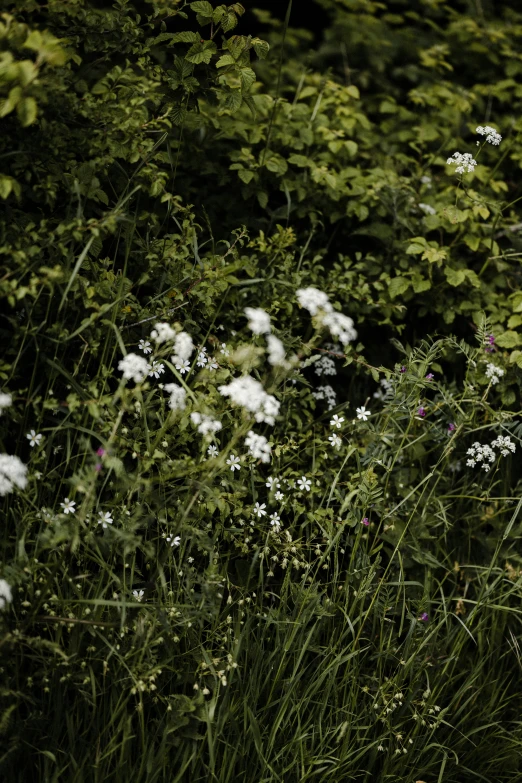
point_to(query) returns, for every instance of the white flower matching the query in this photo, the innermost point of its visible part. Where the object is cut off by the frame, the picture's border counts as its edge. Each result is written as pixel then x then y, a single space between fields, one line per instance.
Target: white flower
pixel 178 396
pixel 336 421
pixel 134 367
pixel 212 365
pixel 275 521
pixel 173 540
pixel 313 300
pixel 156 369
pixel 325 366
pixel 272 482
pixel 212 451
pixel 465 162
pixel 104 519
pixel 480 454
pixel 163 333
pixel 233 461
pixel 206 424
pixel 492 136
pixel 144 346
pixel 388 390
pixel 505 444
pixel 5 401
pixel 260 510
pixel 304 484
pixel 13 472
pixel 494 373
pixel 276 351
pixel 5 594
pixel 336 441
pixel 34 439
pixel 258 320
pixel 138 594
pixel 249 394
pixel 183 366
pixel 258 446
pixel 183 347
pixel 68 506
pixel 224 350
pixel 326 393
pixel 279 496
pixel 202 359
pixel 428 209
pixel 340 326
pixel 362 413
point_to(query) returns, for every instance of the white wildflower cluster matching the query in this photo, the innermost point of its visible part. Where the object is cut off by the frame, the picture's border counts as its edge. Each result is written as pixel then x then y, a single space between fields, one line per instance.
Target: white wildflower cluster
pixel 505 444
pixel 326 392
pixel 492 136
pixel 206 424
pixel 494 373
pixel 178 396
pixel 183 347
pixel 464 162
pixel 325 366
pixel 5 594
pixel 5 401
pixel 386 390
pixel 427 209
pixel 276 351
pixel 13 473
pixel 480 454
pixel 163 333
pixel 258 320
pixel 249 394
pixel 315 301
pixel 134 367
pixel 258 446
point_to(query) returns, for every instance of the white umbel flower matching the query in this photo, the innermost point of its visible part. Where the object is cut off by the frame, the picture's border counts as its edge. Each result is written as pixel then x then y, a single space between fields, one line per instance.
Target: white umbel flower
pixel 183 348
pixel 13 473
pixel 313 300
pixel 325 366
pixel 178 396
pixel 250 394
pixel 5 401
pixel 258 446
pixel 206 424
pixel 163 333
pixel 505 444
pixel 134 367
pixel 464 162
pixel 258 320
pixel 276 351
pixel 5 594
pixel 340 326
pixel 492 136
pixel 493 372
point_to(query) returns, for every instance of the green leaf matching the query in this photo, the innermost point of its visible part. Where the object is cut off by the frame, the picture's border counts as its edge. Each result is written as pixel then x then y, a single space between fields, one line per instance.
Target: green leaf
pixel 508 340
pixel 229 22
pixel 185 37
pixel 247 77
pixel 27 111
pixel 398 286
pixel 299 160
pixel 224 60
pixel 245 176
pixel 417 245
pixel 261 47
pixel 202 7
pixel 455 276
pixel 201 52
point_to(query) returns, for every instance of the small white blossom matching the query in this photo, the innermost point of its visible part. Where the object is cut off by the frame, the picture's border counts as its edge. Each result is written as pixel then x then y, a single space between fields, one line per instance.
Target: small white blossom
pixel 336 421
pixel 275 521
pixel 340 326
pixel 505 444
pixel 183 347
pixel 272 483
pixel 68 506
pixel 212 364
pixel 260 510
pixel 258 320
pixel 144 346
pixel 362 413
pixel 134 367
pixel 178 396
pixel 326 393
pixel 156 369
pixel 325 366
pixel 336 441
pixel 5 594
pixel 492 136
pixel 387 390
pixel 202 359
pixel 163 333
pixel 233 461
pixel 173 540
pixel 138 594
pixel 206 424
pixel 494 373
pixel 34 439
pixel 250 394
pixel 5 401
pixel 212 451
pixel 13 473
pixel 224 350
pixel 258 446
pixel 105 519
pixel 304 484
pixel 279 496
pixel 313 300
pixel 427 209
pixel 276 351
pixel 465 162
pixel 480 454
pixel 183 366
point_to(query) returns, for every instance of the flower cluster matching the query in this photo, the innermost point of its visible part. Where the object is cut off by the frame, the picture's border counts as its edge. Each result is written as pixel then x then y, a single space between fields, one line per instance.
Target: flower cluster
pixel 327 393
pixel 464 161
pixel 249 394
pixel 258 446
pixel 5 594
pixel 183 347
pixel 5 401
pixel 206 424
pixel 13 473
pixel 505 444
pixel 258 320
pixel 325 366
pixel 315 301
pixel 163 333
pixel 385 391
pixel 134 367
pixel 276 351
pixel 492 136
pixel 427 209
pixel 178 396
pixel 494 373
pixel 483 454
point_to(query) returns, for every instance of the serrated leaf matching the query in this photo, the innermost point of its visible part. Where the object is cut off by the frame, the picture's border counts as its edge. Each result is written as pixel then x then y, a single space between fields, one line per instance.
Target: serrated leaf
pixel 178 115
pixel 251 104
pixel 224 60
pixel 232 102
pixel 508 339
pixel 398 286
pixel 245 176
pixel 247 77
pixel 261 47
pixel 229 22
pixel 185 37
pixel 201 52
pixel 455 276
pixel 202 7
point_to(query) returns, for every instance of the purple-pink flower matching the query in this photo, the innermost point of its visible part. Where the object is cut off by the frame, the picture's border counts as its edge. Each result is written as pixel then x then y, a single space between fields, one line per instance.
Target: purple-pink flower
pixel 430 376
pixel 451 426
pixel 403 368
pixel 365 521
pixel 421 412
pixel 424 617
pixel 98 467
pixel 101 452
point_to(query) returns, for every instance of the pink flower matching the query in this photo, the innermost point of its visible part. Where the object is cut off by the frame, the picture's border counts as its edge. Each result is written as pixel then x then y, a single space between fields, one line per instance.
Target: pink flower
pixel 403 369
pixel 430 376
pixel 424 617
pixel 451 427
pixel 101 452
pixel 421 412
pixel 98 467
pixel 365 521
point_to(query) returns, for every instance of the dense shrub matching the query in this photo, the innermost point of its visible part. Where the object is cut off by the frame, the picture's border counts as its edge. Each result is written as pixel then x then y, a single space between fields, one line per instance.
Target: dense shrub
pixel 270 543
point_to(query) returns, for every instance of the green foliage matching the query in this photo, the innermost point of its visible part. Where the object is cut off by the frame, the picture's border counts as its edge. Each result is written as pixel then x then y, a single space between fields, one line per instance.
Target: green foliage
pixel 182 608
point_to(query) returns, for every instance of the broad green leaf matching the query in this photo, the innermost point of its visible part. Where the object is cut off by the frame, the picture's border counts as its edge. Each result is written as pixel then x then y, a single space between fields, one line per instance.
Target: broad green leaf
pixel 185 37
pixel 202 7
pixel 225 59
pixel 201 52
pixel 508 339
pixel 261 47
pixel 455 277
pixel 398 286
